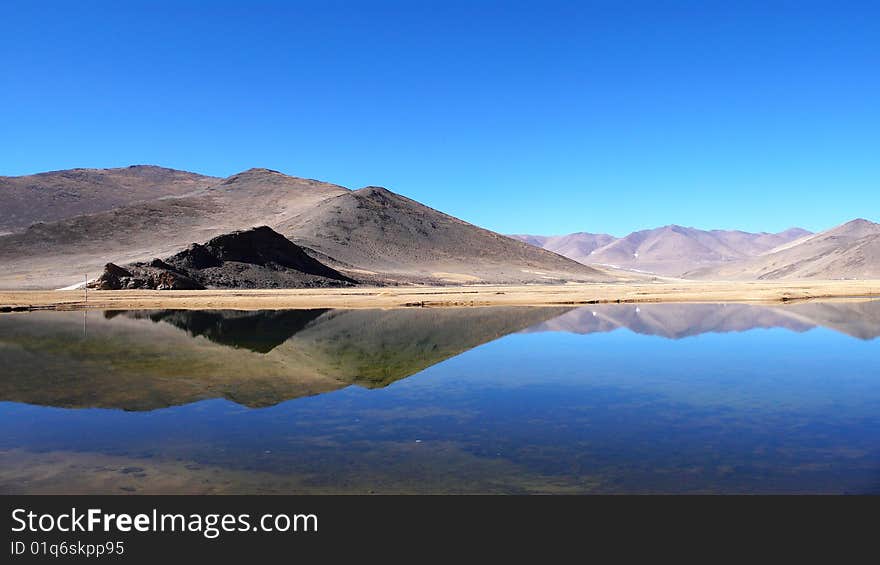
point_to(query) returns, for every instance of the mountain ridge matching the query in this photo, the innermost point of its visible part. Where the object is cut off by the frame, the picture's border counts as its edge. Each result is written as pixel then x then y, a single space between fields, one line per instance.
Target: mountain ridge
pixel 850 250
pixel 395 240
pixel 63 194
pixel 669 250
pixel 57 226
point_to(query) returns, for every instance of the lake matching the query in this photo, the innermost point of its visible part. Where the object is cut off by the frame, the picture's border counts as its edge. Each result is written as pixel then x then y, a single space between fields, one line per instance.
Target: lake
pixel 620 398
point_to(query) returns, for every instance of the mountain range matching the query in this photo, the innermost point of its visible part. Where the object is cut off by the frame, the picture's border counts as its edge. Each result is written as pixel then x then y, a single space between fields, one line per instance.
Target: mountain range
pixel 371 235
pixel 848 251
pixel 57 227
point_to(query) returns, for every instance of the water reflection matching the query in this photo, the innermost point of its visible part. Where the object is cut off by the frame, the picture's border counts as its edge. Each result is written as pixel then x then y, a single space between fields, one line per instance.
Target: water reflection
pixel 611 398
pixel 143 360
pixel 859 319
pixel 260 331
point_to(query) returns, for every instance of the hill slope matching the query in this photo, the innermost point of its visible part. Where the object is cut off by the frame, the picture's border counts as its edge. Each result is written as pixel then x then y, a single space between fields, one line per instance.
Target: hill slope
pixel 58 195
pixel 387 234
pixel 374 234
pixel 56 254
pixel 848 251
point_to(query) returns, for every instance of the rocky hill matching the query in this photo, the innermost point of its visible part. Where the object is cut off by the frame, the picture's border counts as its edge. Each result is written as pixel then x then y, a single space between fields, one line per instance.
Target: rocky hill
pixel 255 258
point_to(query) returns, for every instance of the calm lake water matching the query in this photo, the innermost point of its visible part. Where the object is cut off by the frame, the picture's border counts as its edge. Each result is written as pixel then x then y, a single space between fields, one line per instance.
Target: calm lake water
pixel 604 399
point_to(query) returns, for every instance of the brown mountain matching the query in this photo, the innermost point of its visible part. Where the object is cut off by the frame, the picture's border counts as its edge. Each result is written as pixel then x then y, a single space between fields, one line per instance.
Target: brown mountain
pixel 57 195
pixel 56 254
pixel 390 235
pixel 670 250
pixel 849 251
pixel 375 234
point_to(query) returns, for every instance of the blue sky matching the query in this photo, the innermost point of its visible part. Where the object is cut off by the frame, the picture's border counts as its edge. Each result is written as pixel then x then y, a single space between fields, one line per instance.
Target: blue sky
pixel 540 117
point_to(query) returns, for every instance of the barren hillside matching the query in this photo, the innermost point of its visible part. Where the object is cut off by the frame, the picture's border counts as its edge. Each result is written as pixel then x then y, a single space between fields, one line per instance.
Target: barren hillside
pixel 58 195
pixel 849 251
pixel 382 232
pixel 373 234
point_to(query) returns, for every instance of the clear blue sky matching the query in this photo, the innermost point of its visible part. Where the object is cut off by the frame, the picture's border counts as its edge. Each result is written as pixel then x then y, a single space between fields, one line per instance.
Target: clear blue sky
pixel 539 117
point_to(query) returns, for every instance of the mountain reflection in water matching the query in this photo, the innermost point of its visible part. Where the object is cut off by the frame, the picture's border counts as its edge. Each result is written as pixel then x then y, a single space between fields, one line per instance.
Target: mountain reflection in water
pixel 143 360
pixel 606 398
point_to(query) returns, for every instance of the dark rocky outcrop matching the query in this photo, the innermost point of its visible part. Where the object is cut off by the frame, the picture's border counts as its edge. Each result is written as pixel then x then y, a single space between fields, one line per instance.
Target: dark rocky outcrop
pixel 255 258
pixel 156 275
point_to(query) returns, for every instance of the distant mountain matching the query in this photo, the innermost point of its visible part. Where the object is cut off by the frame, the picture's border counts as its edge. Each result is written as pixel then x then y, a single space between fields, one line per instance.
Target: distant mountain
pixel 577 246
pixel 848 251
pixel 670 250
pixel 58 195
pixel 372 234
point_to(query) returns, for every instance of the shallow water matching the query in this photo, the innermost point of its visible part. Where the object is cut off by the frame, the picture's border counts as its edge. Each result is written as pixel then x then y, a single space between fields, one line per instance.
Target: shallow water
pixel 612 398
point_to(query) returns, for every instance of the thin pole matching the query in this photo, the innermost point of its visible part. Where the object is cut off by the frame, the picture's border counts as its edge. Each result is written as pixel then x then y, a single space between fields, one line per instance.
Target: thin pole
pixel 86 287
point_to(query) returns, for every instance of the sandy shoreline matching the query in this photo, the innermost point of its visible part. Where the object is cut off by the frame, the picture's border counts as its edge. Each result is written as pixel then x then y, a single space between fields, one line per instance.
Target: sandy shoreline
pixel 473 295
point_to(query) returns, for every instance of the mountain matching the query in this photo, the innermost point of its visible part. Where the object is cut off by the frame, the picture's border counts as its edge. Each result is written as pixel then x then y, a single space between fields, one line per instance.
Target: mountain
pixel 848 251
pixel 58 195
pixel 254 258
pixel 576 246
pixel 536 240
pixel 386 235
pixel 66 224
pixel 370 234
pixel 56 254
pixel 670 250
pixel 378 236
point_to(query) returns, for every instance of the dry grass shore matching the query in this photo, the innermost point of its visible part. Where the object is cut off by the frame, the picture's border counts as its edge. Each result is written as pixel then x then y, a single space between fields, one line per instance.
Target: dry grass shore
pixel 472 295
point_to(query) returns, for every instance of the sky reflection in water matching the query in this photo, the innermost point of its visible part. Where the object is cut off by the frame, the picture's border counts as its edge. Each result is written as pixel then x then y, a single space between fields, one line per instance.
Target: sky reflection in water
pixel 659 398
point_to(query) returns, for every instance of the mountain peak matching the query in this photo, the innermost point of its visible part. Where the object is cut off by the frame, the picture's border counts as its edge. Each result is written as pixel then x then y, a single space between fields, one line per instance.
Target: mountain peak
pixel 860 222
pixel 795 232
pixel 253 174
pixel 370 190
pixel 855 228
pixel 262 170
pixel 378 194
